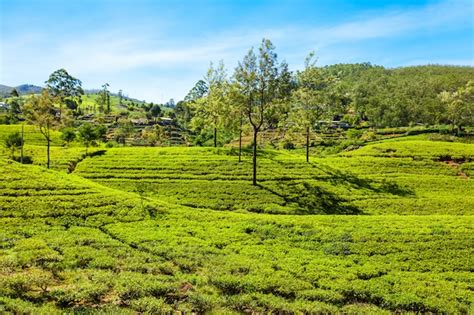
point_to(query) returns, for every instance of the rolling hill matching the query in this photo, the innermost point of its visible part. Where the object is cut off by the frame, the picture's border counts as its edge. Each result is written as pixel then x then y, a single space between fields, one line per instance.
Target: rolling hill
pixel 153 230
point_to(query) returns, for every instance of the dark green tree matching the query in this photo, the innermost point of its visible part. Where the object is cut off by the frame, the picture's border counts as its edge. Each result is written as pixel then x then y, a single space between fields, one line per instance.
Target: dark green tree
pixel 41 111
pixel 124 130
pixel 68 134
pixel 155 111
pixel 90 134
pixel 14 109
pixel 63 86
pixel 103 99
pixel 13 142
pixel 309 102
pixel 258 80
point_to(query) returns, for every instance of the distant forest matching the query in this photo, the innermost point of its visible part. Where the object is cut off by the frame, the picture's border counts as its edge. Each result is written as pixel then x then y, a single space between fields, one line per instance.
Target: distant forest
pixel 376 96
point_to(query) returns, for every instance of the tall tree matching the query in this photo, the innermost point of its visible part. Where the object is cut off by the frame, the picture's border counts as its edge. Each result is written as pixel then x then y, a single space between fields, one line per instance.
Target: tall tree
pixel 103 99
pixel 120 95
pixel 14 109
pixel 89 134
pixel 184 110
pixel 170 103
pixel 155 111
pixel 460 106
pixel 106 92
pixel 199 90
pixel 66 88
pixel 280 108
pixel 124 130
pixel 308 99
pixel 258 80
pixel 211 109
pixel 40 110
pixel 237 101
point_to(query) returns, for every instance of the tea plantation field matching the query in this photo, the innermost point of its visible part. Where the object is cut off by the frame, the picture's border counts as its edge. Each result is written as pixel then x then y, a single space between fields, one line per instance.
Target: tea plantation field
pixel 385 228
pixel 356 182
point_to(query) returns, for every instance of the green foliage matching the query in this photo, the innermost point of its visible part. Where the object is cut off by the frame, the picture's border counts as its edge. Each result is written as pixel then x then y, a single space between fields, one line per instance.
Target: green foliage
pixel 398 97
pixel 103 99
pixel 89 134
pixel 13 142
pixel 155 111
pixel 68 134
pixel 61 84
pixel 123 131
pixel 460 105
pixel 66 88
pixel 211 111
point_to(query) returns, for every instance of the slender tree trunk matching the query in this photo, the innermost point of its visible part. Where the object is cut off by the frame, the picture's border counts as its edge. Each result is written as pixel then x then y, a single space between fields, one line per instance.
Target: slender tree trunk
pixel 48 143
pixel 48 146
pixel 240 140
pixel 307 144
pixel 254 157
pixel 215 137
pixel 22 143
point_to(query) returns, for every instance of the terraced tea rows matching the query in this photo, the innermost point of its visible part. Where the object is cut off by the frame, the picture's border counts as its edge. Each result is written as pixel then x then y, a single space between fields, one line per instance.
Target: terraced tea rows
pixel 69 244
pixel 350 183
pixel 418 150
pixel 31 192
pixel 32 135
pixel 83 254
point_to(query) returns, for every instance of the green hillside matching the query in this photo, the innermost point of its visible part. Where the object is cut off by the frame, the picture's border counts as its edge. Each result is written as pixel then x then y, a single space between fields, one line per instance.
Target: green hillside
pixel 157 239
pixel 32 135
pixel 359 182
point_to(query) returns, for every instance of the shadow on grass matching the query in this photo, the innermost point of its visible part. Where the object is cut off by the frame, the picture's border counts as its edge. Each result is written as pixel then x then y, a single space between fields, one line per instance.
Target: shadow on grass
pixel 247 152
pixel 338 177
pixel 72 164
pixel 311 199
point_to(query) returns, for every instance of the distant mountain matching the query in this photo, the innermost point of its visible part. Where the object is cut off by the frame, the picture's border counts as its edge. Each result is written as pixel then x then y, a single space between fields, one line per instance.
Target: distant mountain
pixel 25 89
pixel 28 89
pixel 22 89
pixel 5 90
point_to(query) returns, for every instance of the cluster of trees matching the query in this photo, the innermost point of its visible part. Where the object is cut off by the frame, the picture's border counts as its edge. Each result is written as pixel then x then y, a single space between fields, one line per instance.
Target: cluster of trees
pixel 14 108
pixel 89 134
pixel 262 93
pixel 401 96
pixel 66 89
pixel 46 110
pixel 103 99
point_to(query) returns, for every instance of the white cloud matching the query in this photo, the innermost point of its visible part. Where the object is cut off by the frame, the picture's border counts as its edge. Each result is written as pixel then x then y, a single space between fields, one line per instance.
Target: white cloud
pixel 121 57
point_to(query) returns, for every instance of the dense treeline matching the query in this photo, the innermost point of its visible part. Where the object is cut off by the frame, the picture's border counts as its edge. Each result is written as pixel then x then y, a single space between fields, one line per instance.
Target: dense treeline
pixel 263 93
pixel 374 95
pixel 401 96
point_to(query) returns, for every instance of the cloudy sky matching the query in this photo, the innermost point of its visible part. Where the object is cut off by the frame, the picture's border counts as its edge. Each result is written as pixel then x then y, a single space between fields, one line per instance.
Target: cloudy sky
pixel 157 50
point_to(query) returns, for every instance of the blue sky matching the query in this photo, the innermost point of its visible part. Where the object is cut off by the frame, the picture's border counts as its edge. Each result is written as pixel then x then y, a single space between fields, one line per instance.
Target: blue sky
pixel 157 50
